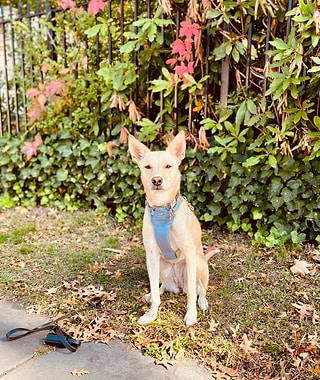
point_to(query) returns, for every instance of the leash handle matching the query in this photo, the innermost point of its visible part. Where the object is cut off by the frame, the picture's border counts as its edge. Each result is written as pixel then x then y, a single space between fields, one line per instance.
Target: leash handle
pixel 20 332
pixel 64 339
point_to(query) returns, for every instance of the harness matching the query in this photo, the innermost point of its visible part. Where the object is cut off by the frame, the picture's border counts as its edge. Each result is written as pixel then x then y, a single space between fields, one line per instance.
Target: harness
pixel 162 218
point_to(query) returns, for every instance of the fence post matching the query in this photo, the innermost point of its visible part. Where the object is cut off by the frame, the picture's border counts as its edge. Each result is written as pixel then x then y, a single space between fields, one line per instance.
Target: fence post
pixel 50 32
pixel 248 55
pixel 224 87
pixel 13 68
pixel 3 24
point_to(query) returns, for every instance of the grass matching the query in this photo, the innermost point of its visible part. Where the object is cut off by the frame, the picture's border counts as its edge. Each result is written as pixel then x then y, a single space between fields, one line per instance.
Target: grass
pixel 56 262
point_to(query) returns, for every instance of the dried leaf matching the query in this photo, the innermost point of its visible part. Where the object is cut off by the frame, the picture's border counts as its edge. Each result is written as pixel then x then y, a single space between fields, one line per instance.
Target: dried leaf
pixel 164 362
pixel 203 142
pixel 110 146
pixel 117 274
pixel 304 310
pixel 301 267
pixel 124 135
pixel 228 371
pixel 134 113
pixel 246 346
pixel 166 6
pixel 316 18
pixel 116 101
pixel 79 373
pixel 193 13
pixel 51 290
pixel 235 331
pixel 213 325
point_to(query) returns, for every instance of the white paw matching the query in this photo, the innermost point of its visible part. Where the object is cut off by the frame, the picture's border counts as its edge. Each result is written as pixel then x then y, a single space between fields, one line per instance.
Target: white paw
pixel 147 297
pixel 147 318
pixel 203 303
pixel 191 317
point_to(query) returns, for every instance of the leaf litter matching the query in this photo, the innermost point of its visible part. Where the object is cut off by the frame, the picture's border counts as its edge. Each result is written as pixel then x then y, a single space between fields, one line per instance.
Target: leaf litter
pixel 264 326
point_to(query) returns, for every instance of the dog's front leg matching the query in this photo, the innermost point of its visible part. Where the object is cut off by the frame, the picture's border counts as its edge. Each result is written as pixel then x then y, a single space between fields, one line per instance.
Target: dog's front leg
pixel 191 272
pixel 153 267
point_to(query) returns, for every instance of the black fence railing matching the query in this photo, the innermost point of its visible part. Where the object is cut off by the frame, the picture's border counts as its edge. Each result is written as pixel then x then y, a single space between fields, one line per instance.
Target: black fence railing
pixel 21 68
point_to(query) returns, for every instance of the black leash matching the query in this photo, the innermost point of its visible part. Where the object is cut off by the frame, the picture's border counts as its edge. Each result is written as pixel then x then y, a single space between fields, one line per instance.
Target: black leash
pixel 56 337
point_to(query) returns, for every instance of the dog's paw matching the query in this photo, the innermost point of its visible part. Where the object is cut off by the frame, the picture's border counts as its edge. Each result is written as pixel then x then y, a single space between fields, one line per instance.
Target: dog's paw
pixel 147 297
pixel 147 318
pixel 203 303
pixel 190 318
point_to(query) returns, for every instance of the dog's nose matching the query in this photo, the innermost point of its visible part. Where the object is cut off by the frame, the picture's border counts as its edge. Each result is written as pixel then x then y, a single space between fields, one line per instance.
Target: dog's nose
pixel 157 181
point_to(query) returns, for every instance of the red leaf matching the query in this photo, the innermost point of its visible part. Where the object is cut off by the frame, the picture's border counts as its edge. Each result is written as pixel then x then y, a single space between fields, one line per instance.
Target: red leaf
pixel 32 93
pixel 183 69
pixel 67 4
pixel 42 101
pixel 188 30
pixel 171 61
pixel 44 69
pixel 178 47
pixel 54 88
pixel 95 6
pixel 188 43
pixel 29 148
pixel 34 114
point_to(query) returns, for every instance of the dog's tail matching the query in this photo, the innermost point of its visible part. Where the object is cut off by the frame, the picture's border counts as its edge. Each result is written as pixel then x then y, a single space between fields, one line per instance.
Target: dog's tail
pixel 209 254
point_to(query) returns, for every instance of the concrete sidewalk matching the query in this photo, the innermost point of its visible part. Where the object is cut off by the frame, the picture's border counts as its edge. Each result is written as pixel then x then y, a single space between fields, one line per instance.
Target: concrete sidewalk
pixel 116 361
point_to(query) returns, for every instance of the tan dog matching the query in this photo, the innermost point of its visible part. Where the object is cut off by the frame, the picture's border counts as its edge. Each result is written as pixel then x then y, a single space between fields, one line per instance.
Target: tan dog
pixel 189 271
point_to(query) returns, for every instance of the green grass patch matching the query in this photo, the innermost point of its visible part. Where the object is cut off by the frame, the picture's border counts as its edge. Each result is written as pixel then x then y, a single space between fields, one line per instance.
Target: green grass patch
pixel 16 235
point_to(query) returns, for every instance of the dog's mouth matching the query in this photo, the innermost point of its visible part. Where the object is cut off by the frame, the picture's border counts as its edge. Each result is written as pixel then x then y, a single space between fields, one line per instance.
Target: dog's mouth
pixel 157 188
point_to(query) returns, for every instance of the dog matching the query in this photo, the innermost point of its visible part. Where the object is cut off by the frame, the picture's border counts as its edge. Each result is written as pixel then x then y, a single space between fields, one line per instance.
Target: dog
pixel 171 231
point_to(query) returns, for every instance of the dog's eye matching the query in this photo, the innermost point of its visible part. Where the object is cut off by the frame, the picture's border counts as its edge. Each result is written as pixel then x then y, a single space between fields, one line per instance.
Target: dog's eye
pixel 147 167
pixel 168 166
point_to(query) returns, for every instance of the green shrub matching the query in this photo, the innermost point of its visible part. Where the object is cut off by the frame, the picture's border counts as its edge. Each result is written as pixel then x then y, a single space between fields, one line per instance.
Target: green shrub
pixel 273 205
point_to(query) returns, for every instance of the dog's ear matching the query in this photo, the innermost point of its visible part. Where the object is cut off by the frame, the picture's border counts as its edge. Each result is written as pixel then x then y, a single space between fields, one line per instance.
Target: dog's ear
pixel 177 146
pixel 137 149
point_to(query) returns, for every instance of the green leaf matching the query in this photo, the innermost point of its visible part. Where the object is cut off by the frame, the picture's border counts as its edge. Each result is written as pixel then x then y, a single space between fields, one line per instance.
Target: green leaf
pixel 62 175
pixel 279 44
pixel 93 31
pixel 213 13
pixel 272 161
pixel 158 85
pixel 241 113
pixel 128 47
pixel 316 121
pixel 314 69
pixel 257 214
pixel 251 107
pixel 252 161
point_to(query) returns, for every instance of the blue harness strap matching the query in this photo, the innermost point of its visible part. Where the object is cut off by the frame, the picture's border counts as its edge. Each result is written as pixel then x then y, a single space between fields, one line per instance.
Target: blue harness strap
pixel 162 219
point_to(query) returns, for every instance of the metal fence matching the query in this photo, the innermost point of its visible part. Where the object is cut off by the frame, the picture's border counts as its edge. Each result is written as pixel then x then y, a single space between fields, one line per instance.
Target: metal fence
pixel 19 69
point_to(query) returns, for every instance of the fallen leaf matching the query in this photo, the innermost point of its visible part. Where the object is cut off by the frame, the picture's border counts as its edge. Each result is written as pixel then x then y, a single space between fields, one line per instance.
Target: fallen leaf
pixel 304 310
pixel 246 346
pixel 213 325
pixel 117 274
pixel 79 373
pixel 164 362
pixel 228 371
pixel 301 267
pixel 51 290
pixel 235 331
